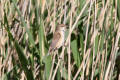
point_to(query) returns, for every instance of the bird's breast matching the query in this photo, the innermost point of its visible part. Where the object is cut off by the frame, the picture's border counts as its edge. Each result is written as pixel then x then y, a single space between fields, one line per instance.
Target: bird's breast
pixel 61 40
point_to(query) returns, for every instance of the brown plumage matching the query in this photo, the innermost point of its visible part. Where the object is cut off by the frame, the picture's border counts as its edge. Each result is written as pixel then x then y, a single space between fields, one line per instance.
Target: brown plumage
pixel 58 38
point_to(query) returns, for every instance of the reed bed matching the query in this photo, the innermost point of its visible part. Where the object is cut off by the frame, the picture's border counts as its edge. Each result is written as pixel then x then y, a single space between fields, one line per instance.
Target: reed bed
pixel 92 44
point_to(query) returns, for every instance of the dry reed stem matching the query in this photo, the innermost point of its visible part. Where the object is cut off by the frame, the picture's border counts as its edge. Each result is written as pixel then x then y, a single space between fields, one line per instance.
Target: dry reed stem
pixel 113 56
pixel 52 66
pixel 86 37
pixel 73 27
pixel 69 60
pixel 85 63
pixel 69 52
pixel 65 10
pixel 115 46
pixel 43 6
pixel 54 19
pixel 82 64
pixel 110 68
pixel 62 53
pixel 95 13
pixel 86 32
pixel 119 77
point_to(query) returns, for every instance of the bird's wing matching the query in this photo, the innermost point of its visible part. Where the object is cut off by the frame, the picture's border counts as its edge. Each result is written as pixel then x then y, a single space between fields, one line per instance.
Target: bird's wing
pixel 56 38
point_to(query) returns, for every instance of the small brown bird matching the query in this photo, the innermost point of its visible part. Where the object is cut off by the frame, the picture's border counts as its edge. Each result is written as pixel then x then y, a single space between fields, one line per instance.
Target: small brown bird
pixel 58 38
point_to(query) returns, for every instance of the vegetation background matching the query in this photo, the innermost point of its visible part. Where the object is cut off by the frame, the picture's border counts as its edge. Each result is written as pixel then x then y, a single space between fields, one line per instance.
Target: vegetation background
pixel 93 44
